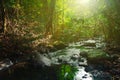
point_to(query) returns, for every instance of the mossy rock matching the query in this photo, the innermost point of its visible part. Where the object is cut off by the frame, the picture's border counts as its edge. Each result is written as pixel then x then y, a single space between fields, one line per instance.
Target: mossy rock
pixel 59 45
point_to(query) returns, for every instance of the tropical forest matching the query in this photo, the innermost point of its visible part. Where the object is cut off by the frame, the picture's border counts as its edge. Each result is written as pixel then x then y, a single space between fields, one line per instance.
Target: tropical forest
pixel 59 39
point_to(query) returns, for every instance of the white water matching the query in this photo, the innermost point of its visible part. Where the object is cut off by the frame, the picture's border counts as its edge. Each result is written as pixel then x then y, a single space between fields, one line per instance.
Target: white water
pixel 81 74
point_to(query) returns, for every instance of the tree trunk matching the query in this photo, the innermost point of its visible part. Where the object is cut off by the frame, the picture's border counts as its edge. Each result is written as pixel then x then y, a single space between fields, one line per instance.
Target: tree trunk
pixel 49 25
pixel 2 17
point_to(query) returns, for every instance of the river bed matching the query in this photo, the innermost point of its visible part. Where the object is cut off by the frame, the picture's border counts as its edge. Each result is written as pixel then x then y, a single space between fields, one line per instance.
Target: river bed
pixel 48 66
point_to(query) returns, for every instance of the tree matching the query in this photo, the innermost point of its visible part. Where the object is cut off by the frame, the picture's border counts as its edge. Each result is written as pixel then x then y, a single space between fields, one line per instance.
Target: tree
pixel 112 14
pixel 2 16
pixel 51 10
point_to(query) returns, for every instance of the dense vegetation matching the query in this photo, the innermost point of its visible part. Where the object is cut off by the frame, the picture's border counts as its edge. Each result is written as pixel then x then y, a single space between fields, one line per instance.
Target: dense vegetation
pixel 25 23
pixel 29 26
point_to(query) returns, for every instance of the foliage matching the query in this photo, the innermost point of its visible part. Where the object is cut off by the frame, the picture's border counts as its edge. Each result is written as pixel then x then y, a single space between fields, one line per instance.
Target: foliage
pixel 112 29
pixel 97 54
pixel 15 45
pixel 32 21
pixel 66 72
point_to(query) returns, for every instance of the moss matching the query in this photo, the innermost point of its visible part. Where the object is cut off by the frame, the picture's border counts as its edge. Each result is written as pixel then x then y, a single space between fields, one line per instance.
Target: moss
pixel 97 53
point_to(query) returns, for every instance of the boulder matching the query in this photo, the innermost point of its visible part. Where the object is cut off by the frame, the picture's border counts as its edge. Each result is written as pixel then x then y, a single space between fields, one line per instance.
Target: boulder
pixel 75 57
pixel 84 54
pixel 41 60
pixel 5 64
pixel 59 45
pixel 91 43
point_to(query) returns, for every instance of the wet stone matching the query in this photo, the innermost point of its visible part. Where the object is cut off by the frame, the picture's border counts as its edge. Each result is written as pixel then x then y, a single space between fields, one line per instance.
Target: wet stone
pixel 100 75
pixel 5 64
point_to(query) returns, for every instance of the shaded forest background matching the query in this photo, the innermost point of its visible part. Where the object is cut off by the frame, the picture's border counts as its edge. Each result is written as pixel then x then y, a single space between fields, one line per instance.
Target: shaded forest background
pixel 25 25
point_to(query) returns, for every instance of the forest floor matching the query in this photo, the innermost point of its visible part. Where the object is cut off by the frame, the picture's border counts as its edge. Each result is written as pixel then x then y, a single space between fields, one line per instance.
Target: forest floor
pixel 92 59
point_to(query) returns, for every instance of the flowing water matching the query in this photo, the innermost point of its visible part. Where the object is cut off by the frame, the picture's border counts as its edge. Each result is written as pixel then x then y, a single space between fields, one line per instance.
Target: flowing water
pixel 67 64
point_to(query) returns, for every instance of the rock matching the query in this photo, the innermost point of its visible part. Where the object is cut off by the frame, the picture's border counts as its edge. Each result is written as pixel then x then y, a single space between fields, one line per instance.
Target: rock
pixel 59 45
pixel 89 68
pixel 100 75
pixel 5 64
pixel 117 77
pixel 91 43
pixel 45 61
pixel 75 57
pixel 76 44
pixel 63 59
pixel 100 45
pixel 60 60
pixel 84 54
pixel 41 59
pixel 43 48
pixel 82 62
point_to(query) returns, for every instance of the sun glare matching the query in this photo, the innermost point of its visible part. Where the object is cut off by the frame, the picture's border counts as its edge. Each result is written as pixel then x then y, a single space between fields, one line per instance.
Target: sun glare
pixel 83 2
pixel 85 8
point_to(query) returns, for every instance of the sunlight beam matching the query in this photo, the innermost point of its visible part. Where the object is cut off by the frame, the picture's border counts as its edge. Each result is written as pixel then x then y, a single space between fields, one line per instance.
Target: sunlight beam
pixel 83 2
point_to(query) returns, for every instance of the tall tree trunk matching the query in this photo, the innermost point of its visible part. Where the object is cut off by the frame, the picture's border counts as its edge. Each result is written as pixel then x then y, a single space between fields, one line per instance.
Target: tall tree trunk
pixel 49 25
pixel 2 17
pixel 17 9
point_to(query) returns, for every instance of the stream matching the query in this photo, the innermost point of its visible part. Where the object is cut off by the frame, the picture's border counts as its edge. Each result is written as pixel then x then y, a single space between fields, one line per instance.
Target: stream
pixel 76 55
pixel 71 63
